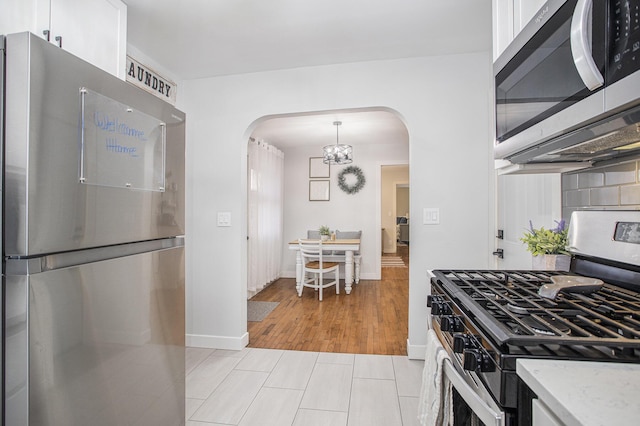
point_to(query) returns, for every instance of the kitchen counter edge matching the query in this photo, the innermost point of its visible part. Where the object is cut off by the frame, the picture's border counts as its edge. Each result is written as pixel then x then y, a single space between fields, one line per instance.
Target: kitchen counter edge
pixel 583 393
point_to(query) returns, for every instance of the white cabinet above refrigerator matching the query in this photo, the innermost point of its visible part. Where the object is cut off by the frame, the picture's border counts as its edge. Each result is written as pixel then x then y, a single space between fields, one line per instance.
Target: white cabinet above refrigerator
pixel 94 30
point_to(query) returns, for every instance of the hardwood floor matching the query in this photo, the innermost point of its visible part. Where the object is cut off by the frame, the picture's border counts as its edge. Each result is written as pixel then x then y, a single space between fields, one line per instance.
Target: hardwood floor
pixel 373 319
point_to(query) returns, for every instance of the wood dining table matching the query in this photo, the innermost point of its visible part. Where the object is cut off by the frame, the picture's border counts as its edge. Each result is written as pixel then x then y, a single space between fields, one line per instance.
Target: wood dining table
pixel 349 246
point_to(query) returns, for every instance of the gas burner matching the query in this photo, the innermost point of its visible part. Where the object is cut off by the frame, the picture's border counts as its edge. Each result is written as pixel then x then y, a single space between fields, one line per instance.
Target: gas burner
pixel 509 283
pixel 491 295
pixel 541 327
pixel 517 309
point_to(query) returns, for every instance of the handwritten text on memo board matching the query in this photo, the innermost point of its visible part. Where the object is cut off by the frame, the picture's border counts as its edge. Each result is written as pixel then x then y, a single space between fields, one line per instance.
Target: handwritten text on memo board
pixel 120 146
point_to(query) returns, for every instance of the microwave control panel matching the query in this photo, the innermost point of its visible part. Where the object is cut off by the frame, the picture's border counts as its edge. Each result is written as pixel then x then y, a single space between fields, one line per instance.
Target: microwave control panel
pixel 624 49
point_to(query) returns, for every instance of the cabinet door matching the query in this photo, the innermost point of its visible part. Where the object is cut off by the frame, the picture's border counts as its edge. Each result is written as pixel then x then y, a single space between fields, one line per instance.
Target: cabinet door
pixel 94 30
pixel 542 416
pixel 509 18
pixel 523 11
pixel 502 26
pixel 24 15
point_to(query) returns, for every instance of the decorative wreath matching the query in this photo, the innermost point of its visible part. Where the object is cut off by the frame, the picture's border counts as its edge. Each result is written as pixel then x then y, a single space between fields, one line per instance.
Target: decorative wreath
pixel 357 186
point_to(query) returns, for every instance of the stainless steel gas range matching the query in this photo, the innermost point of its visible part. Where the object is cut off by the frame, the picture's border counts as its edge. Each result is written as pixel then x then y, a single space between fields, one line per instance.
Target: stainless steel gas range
pixel 486 320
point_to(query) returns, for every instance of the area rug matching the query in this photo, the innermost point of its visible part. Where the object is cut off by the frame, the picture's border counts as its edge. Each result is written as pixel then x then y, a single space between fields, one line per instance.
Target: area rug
pixel 392 262
pixel 257 311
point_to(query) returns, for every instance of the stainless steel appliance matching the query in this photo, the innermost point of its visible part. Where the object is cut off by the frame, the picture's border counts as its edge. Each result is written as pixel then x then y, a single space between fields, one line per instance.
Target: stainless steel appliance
pixel 568 86
pixel 486 320
pixel 93 257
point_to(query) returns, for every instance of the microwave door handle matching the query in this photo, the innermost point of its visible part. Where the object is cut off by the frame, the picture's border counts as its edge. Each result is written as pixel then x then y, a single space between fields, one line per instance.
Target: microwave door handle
pixel 581 46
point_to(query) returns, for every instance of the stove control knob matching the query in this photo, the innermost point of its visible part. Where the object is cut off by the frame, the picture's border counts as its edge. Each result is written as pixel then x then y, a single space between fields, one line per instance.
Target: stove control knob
pixel 451 323
pixel 436 308
pixel 440 308
pixel 431 299
pixel 477 360
pixel 461 342
pixel 472 359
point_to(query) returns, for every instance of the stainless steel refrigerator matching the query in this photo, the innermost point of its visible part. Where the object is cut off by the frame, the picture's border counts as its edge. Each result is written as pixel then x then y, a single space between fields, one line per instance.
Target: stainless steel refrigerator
pixel 93 253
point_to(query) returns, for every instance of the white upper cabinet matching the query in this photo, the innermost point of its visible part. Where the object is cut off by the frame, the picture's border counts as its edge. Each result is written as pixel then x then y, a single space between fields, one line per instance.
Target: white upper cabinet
pixel 509 18
pixel 523 11
pixel 502 25
pixel 22 15
pixel 94 30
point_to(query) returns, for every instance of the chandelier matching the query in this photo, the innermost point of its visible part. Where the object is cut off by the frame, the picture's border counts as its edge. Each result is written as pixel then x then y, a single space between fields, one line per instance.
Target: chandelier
pixel 337 154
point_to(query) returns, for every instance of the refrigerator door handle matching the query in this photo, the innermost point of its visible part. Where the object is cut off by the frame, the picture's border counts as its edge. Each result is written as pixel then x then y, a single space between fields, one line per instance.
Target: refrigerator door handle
pixel 50 262
pixel 83 92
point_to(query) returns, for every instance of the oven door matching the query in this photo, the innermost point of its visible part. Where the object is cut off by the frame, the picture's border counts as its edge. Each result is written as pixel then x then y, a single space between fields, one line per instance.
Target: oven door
pixel 473 400
pixel 549 79
pixel 471 405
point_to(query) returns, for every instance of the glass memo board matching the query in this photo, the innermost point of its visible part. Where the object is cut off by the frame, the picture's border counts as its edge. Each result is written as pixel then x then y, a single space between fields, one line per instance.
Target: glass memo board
pixel 119 146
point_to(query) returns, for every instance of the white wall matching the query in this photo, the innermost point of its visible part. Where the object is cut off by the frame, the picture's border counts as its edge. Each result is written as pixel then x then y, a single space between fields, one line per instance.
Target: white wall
pixel 445 102
pixel 343 211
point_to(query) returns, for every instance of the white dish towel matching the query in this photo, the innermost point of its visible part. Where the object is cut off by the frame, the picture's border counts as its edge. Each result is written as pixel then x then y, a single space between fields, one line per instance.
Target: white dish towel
pixel 436 407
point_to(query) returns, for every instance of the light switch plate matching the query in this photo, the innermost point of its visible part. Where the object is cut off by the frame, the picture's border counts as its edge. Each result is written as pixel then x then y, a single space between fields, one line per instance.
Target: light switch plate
pixel 431 216
pixel 224 218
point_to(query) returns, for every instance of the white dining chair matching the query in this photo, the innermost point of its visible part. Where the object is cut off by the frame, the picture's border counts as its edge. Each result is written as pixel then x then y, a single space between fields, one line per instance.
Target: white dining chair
pixel 314 268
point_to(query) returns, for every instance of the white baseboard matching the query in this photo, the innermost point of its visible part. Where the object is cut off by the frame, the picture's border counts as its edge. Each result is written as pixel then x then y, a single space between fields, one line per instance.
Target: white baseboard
pixel 416 351
pixel 218 342
pixel 239 343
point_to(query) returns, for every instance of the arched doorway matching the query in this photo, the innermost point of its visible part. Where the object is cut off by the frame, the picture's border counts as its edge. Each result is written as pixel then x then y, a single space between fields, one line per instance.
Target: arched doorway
pixel 378 136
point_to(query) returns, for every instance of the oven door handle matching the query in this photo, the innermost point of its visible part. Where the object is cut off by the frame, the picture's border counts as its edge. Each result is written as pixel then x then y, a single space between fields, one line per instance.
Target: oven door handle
pixel 488 415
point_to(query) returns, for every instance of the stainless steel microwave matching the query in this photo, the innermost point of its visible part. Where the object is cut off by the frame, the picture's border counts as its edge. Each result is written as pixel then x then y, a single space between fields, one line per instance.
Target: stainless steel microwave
pixel 567 89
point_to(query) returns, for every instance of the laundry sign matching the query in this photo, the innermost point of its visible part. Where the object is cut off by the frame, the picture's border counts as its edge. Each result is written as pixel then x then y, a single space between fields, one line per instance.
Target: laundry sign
pixel 149 80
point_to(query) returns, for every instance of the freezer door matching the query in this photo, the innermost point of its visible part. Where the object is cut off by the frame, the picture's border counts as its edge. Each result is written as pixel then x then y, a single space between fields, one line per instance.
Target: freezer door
pixel 50 206
pixel 100 343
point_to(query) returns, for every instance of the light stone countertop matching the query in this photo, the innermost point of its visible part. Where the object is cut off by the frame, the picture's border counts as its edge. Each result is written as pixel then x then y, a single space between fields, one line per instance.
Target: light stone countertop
pixel 582 393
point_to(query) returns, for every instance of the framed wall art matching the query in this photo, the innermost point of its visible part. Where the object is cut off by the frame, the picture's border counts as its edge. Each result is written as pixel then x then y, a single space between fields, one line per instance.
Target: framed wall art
pixel 319 190
pixel 317 169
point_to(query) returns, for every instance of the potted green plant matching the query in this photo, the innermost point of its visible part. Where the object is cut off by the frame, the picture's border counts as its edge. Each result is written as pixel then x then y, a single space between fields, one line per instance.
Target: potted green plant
pixel 548 247
pixel 325 232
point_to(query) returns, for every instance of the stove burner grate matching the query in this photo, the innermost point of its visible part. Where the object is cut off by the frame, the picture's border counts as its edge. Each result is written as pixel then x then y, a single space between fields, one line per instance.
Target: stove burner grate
pixel 507 307
pixel 546 326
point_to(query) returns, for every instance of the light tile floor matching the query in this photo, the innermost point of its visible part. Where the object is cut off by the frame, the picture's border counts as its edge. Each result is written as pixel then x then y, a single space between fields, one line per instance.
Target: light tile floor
pixel 289 388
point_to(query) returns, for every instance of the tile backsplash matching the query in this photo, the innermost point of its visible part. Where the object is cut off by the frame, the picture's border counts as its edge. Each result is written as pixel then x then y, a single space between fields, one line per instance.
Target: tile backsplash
pixel 613 187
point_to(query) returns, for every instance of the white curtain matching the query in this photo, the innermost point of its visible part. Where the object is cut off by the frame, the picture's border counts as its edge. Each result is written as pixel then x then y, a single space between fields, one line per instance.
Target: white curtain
pixel 265 215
